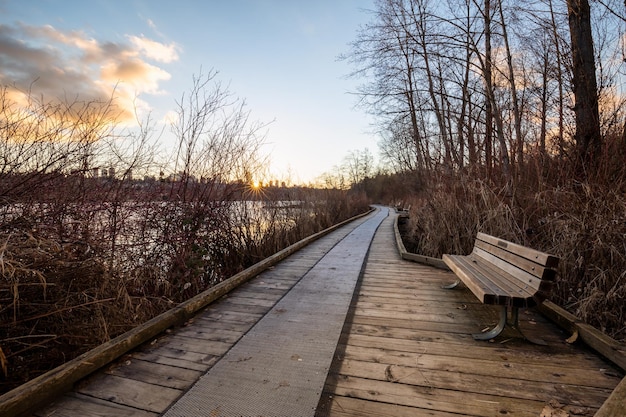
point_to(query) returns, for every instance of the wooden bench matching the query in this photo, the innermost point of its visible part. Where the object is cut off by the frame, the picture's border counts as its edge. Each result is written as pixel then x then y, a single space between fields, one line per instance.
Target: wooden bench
pixel 506 274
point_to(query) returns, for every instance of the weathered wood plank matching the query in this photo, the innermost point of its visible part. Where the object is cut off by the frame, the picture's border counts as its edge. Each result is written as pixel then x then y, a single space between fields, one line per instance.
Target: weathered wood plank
pixel 130 392
pixel 615 405
pixel 73 405
pixel 456 318
pixel 207 347
pixel 350 407
pixel 483 384
pixel 259 292
pixel 537 256
pixel 174 361
pixel 413 324
pixel 603 344
pixel 505 258
pixel 155 373
pixel 429 398
pixel 567 356
pixel 231 316
pixel 595 378
pixel 219 324
pixel 243 307
pixel 207 333
pixel 249 302
pixel 415 309
pixel 177 353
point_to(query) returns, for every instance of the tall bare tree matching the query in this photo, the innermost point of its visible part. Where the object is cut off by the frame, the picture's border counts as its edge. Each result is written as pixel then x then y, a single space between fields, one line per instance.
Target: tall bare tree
pixel 588 138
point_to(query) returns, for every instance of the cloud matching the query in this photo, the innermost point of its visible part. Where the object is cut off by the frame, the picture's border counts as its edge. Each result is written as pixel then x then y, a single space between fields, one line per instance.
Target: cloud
pixel 155 50
pixel 64 65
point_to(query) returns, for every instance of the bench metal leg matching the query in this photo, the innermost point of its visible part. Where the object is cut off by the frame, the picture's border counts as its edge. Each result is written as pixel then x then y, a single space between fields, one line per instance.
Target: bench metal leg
pixel 450 286
pixel 515 319
pixel 496 330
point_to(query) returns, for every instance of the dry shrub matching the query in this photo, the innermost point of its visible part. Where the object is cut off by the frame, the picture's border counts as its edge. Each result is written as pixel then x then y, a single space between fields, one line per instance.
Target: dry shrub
pixel 446 221
pixel 47 292
pixel 582 223
pixel 62 294
pixel 586 226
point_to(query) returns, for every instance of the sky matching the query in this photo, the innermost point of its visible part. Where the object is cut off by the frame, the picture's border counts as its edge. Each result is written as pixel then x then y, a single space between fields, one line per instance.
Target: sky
pixel 280 56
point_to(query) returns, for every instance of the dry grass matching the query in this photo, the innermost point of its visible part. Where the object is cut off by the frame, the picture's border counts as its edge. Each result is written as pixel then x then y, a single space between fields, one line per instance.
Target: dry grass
pixel 62 294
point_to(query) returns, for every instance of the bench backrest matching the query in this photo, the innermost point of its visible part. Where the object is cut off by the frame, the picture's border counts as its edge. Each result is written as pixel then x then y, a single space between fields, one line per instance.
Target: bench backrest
pixel 534 268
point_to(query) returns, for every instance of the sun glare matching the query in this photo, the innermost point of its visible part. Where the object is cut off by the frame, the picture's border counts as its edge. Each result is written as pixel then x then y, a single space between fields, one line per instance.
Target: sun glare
pixel 256 185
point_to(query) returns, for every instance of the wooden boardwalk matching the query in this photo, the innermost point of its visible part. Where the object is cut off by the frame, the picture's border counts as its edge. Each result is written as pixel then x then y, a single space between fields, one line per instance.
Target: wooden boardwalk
pixel 405 350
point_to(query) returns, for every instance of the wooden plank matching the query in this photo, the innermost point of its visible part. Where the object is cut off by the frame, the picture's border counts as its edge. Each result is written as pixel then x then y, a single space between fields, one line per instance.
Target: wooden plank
pixel 244 308
pixel 484 290
pixel 601 343
pixel 518 276
pixel 418 326
pixel 433 398
pixel 435 295
pixel 595 378
pixel 230 316
pixel 249 301
pixel 350 407
pixel 174 361
pixel 129 392
pixel 538 270
pixel 500 279
pixel 539 257
pixel 265 293
pixel 207 347
pixel 441 303
pixel 155 373
pixel 519 353
pixel 615 405
pixel 418 329
pixel 523 285
pixel 417 312
pixel 485 385
pixel 175 353
pixel 207 333
pixel 73 405
pixel 451 317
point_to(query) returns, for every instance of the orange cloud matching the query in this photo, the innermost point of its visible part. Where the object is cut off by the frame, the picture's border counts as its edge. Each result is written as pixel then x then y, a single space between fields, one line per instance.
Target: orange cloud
pixel 61 65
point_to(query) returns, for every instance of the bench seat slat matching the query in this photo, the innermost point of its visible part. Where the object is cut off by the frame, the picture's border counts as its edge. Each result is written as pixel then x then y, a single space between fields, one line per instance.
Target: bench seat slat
pixel 475 279
pixel 525 279
pixel 549 261
pixel 523 293
pixel 492 285
pixel 504 280
pixel 538 270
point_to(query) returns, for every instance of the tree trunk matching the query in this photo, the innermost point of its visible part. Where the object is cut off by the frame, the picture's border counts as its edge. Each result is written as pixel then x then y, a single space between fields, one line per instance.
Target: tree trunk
pixel 488 77
pixel 516 108
pixel 588 140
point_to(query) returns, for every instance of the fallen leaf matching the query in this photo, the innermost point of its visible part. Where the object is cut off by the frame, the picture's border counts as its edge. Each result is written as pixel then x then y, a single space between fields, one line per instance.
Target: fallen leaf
pixel 554 409
pixel 573 337
pixel 4 364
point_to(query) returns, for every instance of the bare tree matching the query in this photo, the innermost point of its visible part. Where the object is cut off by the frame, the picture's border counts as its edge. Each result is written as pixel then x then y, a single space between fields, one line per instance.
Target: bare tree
pixel 588 138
